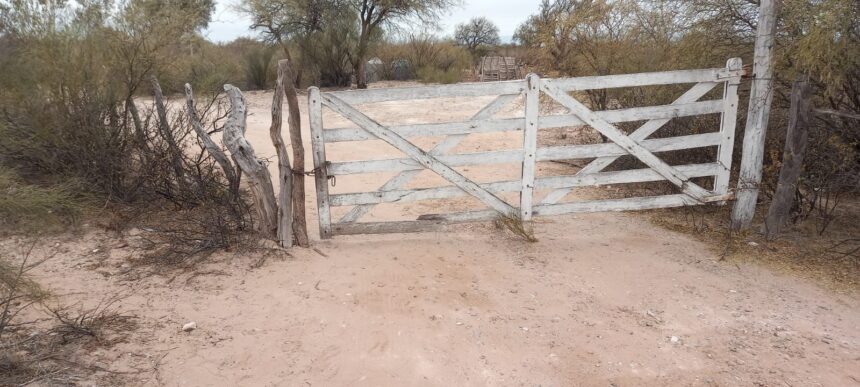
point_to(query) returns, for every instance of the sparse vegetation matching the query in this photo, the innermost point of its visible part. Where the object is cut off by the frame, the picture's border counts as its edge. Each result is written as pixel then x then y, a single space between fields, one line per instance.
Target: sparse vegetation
pixel 31 207
pixel 46 347
pixel 515 224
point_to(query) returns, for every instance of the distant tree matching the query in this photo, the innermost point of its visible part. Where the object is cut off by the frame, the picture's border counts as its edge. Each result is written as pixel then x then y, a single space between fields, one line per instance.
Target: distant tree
pixel 285 21
pixel 374 14
pixel 477 34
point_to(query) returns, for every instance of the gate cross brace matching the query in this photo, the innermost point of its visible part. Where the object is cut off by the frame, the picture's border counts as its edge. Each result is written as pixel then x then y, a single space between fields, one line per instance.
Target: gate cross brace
pixel 648 128
pixel 630 145
pixel 416 153
pixel 450 142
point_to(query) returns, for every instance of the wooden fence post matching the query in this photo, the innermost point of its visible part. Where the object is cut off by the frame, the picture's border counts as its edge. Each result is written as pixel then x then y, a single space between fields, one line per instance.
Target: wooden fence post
pixel 320 172
pixel 792 157
pixel 285 170
pixel 530 145
pixel 757 118
pixel 300 228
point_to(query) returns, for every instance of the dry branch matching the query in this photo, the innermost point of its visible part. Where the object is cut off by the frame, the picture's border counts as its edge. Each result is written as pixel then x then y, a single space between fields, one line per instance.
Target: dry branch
pixel 210 145
pixel 164 128
pixel 259 180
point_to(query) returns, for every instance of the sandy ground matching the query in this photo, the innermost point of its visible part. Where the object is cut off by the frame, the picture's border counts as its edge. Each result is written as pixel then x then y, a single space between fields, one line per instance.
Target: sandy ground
pixel 601 299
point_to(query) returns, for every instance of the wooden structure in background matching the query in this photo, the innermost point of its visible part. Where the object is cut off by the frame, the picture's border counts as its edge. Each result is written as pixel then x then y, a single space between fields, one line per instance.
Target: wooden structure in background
pixel 499 68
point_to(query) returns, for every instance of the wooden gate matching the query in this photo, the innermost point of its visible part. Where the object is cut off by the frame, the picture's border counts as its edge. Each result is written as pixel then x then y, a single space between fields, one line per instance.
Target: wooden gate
pixel 438 160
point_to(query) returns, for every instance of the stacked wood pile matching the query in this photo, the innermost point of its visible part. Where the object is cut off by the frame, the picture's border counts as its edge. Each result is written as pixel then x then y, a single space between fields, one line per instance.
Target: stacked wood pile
pixel 499 68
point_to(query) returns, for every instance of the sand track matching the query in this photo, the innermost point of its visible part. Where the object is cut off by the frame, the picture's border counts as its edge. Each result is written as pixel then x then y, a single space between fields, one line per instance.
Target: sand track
pixel 597 301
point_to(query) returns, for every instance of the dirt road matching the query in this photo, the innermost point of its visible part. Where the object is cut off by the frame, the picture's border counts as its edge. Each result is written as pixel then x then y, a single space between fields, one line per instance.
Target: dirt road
pixel 601 299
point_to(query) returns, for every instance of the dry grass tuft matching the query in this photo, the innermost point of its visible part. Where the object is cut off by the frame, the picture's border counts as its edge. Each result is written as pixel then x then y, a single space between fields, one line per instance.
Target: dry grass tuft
pixel 46 350
pixel 102 323
pixel 515 224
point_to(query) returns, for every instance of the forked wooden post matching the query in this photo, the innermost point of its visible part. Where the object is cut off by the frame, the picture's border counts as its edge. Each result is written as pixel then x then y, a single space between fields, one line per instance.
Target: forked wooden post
pixel 320 173
pixel 285 170
pixel 530 145
pixel 761 96
pixel 728 122
pixel 300 229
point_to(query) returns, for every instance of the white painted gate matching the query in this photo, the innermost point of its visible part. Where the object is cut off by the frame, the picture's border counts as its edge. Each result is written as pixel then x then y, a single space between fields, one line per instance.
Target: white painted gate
pixel 442 163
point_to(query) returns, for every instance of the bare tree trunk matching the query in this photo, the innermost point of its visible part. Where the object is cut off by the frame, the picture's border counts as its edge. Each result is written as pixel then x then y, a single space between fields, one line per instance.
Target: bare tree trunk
pixel 211 147
pixel 259 180
pixel 792 158
pixel 164 127
pixel 285 171
pixel 360 79
pixel 360 76
pixel 300 228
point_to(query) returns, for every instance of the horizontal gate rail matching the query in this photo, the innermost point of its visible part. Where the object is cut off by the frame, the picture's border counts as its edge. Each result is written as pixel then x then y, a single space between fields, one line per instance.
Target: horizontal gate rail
pixel 552 182
pixel 355 97
pixel 566 152
pixel 441 161
pixel 546 122
pixel 647 79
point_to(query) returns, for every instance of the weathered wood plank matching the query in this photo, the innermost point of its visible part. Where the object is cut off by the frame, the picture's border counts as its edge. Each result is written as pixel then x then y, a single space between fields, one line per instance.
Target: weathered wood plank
pixel 416 153
pixel 530 146
pixel 320 169
pixel 626 204
pixel 569 152
pixel 645 79
pixel 630 204
pixel 388 227
pixel 728 121
pixel 443 147
pixel 761 96
pixel 549 182
pixel 356 97
pixel 647 129
pixel 631 146
pixel 545 122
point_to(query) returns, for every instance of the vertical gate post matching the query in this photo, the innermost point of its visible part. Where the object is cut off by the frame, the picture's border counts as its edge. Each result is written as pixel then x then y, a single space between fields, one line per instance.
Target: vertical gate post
pixel 320 173
pixel 530 145
pixel 761 96
pixel 728 122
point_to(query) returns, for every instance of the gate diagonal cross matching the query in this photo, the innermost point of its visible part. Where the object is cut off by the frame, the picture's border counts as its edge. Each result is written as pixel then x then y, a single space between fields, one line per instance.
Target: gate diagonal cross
pixel 450 142
pixel 642 133
pixel 416 153
pixel 633 147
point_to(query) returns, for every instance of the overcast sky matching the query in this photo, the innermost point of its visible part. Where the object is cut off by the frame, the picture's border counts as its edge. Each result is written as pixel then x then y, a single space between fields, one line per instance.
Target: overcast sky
pixel 227 25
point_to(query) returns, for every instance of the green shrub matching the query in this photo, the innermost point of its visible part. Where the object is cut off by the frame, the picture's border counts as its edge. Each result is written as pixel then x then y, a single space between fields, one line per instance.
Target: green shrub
pixel 430 74
pixel 27 207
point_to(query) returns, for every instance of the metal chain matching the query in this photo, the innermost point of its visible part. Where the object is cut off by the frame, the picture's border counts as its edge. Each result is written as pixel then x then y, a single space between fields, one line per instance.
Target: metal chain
pixel 316 171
